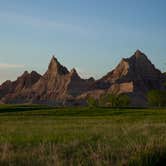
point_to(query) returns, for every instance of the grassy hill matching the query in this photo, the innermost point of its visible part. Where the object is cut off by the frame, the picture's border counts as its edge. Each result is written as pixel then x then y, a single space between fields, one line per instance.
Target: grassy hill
pixel 40 135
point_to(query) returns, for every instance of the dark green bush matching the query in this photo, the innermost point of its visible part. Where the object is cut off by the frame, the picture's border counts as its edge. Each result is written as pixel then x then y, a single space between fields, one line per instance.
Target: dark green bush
pixel 157 98
pixel 114 100
pixel 92 102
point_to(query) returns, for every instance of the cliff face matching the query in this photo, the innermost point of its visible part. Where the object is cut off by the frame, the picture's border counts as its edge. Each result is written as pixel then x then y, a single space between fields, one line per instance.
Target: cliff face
pixel 133 76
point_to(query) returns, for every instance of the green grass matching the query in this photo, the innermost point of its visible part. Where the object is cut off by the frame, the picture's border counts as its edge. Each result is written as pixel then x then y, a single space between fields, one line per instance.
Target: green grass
pixel 40 135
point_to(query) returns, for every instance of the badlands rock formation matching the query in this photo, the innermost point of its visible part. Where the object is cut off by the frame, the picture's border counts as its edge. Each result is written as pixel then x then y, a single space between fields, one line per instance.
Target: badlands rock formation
pixel 19 91
pixel 133 76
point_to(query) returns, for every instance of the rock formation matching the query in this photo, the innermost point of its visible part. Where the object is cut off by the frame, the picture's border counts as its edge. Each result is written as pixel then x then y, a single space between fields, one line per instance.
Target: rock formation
pixel 18 91
pixel 137 69
pixel 134 76
pixel 58 85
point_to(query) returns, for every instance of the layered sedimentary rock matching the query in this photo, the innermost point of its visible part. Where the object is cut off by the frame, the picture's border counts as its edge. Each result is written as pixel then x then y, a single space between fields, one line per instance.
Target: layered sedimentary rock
pixel 58 85
pixel 137 69
pixel 19 91
pixel 133 76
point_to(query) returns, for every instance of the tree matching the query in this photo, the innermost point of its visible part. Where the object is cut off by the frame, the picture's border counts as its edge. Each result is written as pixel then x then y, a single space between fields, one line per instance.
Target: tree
pixel 164 79
pixel 92 102
pixel 157 98
pixel 112 100
pixel 115 100
pixel 123 100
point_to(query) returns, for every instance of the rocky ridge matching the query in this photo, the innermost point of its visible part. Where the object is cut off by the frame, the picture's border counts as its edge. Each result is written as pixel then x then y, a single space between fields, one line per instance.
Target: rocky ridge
pixel 133 76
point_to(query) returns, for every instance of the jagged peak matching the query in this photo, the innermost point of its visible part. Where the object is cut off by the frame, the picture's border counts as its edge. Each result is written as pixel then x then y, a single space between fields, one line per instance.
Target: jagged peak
pixel 54 59
pixel 6 82
pixel 28 75
pixel 33 72
pixel 91 79
pixel 123 60
pixel 56 68
pixel 73 71
pixel 25 73
pixel 139 54
pixel 138 51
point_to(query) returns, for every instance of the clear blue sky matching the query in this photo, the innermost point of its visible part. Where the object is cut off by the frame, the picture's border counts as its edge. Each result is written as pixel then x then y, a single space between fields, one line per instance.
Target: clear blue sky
pixel 91 35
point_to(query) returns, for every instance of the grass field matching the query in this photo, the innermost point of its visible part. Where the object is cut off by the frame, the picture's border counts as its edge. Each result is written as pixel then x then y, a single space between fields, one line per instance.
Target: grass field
pixel 45 136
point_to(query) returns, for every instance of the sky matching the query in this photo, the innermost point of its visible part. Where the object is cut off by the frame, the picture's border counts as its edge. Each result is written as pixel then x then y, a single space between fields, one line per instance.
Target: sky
pixel 89 35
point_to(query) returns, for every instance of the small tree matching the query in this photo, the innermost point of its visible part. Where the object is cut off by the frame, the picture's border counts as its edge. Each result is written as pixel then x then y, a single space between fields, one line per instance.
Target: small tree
pixel 115 100
pixel 92 102
pixel 164 79
pixel 164 84
pixel 123 100
pixel 112 100
pixel 156 98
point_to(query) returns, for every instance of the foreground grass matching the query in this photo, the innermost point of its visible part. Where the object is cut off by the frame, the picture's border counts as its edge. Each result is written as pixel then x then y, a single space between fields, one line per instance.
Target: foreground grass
pixel 39 135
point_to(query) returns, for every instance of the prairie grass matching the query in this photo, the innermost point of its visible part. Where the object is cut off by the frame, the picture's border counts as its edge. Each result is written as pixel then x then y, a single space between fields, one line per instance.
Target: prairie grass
pixel 39 135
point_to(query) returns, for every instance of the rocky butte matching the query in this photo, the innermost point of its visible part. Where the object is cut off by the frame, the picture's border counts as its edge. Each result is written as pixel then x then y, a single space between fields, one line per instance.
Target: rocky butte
pixel 133 76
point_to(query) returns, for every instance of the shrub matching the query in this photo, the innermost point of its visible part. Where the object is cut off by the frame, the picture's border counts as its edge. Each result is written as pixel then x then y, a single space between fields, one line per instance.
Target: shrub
pixel 157 98
pixel 92 102
pixel 115 100
pixel 124 100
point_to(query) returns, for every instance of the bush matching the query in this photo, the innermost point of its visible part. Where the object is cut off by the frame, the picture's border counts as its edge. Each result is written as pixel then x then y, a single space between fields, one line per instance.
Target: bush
pixel 92 102
pixel 165 84
pixel 156 98
pixel 124 100
pixel 115 100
